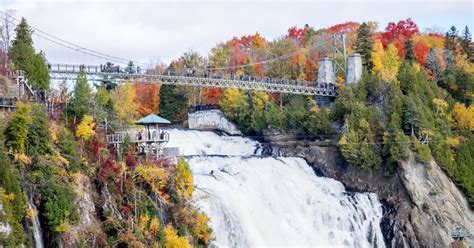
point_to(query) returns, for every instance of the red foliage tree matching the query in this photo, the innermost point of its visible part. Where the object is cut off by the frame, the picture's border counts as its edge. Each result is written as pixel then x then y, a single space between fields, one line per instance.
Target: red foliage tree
pixel 297 34
pixel 274 97
pixel 404 28
pixel 421 50
pixel 147 97
pixel 344 27
pixel 212 95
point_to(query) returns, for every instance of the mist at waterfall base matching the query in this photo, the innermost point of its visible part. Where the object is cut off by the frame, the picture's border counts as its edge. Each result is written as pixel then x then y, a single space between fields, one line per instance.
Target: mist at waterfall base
pixel 256 201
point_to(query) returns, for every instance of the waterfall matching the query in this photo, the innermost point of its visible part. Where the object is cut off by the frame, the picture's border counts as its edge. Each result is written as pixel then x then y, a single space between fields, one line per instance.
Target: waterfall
pixel 36 224
pixel 254 200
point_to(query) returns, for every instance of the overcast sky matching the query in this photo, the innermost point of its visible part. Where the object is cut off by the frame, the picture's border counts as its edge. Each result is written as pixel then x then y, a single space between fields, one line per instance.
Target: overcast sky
pixel 162 30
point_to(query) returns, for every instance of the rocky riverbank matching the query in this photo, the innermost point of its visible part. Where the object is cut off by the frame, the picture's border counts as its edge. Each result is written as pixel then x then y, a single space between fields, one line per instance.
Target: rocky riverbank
pixel 422 205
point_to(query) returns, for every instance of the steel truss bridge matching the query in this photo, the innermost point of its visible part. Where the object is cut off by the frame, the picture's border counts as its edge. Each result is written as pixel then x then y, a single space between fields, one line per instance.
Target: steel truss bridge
pixel 94 73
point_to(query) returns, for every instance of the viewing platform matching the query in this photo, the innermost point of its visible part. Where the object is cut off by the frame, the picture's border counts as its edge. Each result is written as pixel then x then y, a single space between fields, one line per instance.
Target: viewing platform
pixel 149 140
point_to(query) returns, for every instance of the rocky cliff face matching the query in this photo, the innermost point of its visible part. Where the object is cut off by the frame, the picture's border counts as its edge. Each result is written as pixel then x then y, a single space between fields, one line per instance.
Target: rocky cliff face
pixel 422 205
pixel 212 119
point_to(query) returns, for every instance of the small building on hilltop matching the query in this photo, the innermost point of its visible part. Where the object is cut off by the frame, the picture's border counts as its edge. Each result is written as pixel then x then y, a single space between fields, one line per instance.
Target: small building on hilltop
pixel 149 139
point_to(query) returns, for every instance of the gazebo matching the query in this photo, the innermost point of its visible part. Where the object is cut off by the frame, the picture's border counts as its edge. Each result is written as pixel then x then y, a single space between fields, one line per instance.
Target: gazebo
pixel 151 123
pixel 151 140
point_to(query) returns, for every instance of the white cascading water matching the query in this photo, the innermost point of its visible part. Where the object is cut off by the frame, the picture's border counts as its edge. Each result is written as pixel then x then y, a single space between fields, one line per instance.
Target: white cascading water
pixel 36 225
pixel 273 201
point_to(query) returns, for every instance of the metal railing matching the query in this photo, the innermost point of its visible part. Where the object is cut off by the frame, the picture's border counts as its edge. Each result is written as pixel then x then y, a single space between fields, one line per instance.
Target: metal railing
pixel 277 85
pixel 138 137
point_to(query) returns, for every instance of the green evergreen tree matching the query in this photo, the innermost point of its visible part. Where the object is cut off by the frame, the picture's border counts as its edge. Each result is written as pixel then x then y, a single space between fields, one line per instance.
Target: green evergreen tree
pixel 364 43
pixel 172 103
pixel 451 39
pixel 23 55
pixel 13 211
pixel 272 115
pixel 409 56
pixel 466 41
pixel 81 102
pixel 39 138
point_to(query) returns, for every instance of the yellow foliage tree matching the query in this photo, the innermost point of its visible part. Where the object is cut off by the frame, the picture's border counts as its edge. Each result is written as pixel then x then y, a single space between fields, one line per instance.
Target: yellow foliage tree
pixel 377 57
pixel 391 63
pixel 172 240
pixel 463 63
pixel 462 117
pixel 85 129
pixel 385 63
pixel 183 179
pixel 441 105
pixel 154 227
pixel 259 99
pixel 201 228
pixel 154 176
pixel 229 100
pixel 125 105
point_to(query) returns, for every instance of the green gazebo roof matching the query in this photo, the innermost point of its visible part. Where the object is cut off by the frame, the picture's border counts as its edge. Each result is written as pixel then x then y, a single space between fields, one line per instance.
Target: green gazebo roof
pixel 152 119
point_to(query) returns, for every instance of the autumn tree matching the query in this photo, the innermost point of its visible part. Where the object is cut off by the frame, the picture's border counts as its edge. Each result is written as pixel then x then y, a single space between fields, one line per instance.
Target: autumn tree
pixel 401 30
pixel 125 105
pixel 16 132
pixel 147 96
pixel 421 50
pixel 85 129
pixel 385 63
pixel 212 95
pixel 463 117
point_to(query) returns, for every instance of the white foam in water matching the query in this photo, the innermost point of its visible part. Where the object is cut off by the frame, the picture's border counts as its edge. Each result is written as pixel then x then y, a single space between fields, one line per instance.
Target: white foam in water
pixel 262 201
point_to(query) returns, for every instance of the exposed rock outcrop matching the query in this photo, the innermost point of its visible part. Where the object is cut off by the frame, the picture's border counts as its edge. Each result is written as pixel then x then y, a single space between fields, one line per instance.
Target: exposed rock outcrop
pixel 88 228
pixel 212 119
pixel 5 228
pixel 422 205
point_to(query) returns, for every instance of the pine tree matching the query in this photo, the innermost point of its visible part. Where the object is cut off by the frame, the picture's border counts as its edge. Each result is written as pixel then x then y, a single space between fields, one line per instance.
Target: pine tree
pixel 364 43
pixel 172 103
pixel 409 55
pixel 451 39
pixel 39 138
pixel 81 102
pixel 23 55
pixel 466 41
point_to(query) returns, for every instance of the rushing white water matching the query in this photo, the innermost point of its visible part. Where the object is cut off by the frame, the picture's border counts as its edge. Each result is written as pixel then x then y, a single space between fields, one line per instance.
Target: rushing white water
pixel 36 225
pixel 256 201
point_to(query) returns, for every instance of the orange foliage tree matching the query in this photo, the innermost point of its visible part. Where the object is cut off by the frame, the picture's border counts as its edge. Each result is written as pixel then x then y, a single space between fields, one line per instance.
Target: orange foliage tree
pixel 421 50
pixel 147 97
pixel 212 95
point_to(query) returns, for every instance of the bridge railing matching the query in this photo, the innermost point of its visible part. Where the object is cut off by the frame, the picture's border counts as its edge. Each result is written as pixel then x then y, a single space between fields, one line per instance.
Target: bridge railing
pixel 207 79
pixel 73 68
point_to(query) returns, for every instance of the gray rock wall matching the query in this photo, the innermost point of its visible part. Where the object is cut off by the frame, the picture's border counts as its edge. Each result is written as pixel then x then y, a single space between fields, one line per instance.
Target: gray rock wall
pixel 212 119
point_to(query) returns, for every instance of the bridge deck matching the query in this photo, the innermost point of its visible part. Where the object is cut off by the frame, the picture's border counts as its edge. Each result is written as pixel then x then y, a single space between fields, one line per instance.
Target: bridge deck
pixel 69 72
